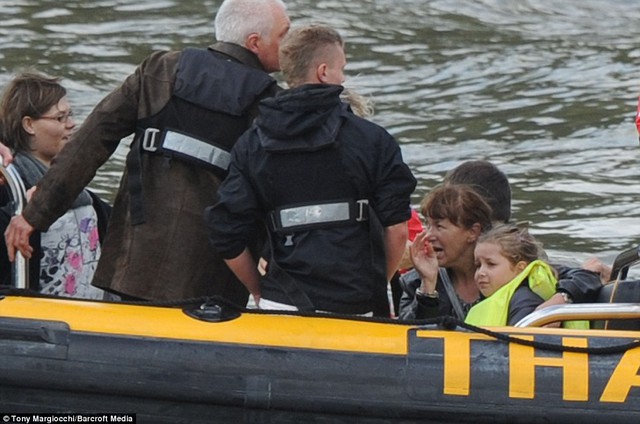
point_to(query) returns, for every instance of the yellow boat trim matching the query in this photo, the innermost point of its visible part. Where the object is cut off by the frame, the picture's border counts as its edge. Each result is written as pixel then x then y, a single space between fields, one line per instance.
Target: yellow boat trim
pixel 249 329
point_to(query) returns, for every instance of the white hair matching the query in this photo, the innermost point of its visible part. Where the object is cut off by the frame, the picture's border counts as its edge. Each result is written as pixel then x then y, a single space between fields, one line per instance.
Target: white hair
pixel 237 19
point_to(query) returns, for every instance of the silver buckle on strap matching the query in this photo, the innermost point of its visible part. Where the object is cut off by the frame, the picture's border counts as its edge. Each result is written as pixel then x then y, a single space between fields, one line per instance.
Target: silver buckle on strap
pixel 362 205
pixel 149 139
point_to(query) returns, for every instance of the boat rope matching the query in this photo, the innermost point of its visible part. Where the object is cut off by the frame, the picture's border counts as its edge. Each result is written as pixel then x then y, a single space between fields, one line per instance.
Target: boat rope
pixel 603 350
pixel 446 322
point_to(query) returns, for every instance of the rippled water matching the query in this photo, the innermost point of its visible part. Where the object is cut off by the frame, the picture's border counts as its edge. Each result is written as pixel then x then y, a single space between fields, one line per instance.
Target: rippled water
pixel 545 89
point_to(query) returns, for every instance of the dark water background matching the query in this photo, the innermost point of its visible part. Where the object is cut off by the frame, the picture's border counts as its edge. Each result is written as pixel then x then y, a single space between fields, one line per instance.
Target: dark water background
pixel 545 89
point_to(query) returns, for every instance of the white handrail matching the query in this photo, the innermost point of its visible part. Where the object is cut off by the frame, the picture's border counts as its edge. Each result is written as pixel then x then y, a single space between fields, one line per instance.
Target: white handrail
pixel 581 311
pixel 20 267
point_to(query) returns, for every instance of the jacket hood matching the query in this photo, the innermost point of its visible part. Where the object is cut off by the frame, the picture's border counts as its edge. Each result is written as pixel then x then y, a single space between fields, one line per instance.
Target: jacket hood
pixel 303 118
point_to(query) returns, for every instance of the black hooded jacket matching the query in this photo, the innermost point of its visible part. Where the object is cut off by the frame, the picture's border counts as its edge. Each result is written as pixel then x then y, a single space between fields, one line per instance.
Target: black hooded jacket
pixel 307 148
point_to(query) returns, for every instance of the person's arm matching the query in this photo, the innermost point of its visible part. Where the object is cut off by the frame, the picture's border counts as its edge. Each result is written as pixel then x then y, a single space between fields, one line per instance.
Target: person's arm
pixel 412 306
pixel 395 241
pixel 574 285
pixel 114 118
pixel 577 285
pixel 244 266
pixel 142 94
pixel 234 220
pixel 596 265
pixel 522 303
pixel 7 158
pixel 582 285
pixel 408 305
pixel 391 192
pixel 6 155
pixel 5 265
pixel 16 237
pixel 414 227
pixel 425 300
pixel 420 307
pixel 425 263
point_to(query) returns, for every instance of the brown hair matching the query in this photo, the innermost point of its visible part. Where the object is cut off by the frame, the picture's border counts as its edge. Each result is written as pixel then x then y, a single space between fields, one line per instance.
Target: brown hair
pixel 302 48
pixel 489 181
pixel 28 94
pixel 516 244
pixel 458 203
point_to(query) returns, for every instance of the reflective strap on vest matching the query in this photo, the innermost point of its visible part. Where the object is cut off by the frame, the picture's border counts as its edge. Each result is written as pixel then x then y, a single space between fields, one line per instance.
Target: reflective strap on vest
pixel 185 146
pixel 307 216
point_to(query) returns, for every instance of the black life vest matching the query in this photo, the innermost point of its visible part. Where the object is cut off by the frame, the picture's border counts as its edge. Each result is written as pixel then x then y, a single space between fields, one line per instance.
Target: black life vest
pixel 213 103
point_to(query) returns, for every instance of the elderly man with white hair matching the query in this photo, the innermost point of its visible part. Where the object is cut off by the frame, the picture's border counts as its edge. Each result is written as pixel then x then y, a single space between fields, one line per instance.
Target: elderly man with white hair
pixel 186 110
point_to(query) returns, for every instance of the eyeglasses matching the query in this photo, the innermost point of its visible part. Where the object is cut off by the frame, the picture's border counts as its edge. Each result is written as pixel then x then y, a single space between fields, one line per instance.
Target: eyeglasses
pixel 63 118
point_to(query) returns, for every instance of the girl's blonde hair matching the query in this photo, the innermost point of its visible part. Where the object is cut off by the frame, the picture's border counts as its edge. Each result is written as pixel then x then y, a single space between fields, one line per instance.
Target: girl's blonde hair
pixel 515 243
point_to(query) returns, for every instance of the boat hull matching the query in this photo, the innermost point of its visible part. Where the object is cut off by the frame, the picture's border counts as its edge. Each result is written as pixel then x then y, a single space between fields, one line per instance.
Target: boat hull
pixel 165 366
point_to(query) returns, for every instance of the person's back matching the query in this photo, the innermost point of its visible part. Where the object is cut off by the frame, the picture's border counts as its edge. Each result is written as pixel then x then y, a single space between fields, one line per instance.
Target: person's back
pixel 37 122
pixel 334 265
pixel 321 178
pixel 186 109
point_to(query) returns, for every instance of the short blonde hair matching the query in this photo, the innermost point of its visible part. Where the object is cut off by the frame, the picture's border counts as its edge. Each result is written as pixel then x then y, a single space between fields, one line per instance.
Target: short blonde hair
pixel 300 49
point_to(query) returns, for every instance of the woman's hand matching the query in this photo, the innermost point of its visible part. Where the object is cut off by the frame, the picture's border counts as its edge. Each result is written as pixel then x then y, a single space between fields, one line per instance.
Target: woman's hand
pixel 596 265
pixel 5 154
pixel 7 158
pixel 425 262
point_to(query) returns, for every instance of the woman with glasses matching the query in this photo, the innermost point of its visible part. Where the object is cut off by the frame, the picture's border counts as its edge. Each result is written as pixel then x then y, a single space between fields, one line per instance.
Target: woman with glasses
pixel 36 122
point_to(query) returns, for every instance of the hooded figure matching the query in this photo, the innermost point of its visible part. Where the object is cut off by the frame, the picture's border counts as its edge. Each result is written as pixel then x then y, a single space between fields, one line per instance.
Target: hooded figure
pixel 330 187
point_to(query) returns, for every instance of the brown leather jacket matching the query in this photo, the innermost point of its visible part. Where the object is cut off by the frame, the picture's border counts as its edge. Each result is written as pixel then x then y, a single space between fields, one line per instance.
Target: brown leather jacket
pixel 169 256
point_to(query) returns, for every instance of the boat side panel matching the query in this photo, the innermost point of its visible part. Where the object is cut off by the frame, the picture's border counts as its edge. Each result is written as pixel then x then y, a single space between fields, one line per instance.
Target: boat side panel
pixel 179 374
pixel 464 367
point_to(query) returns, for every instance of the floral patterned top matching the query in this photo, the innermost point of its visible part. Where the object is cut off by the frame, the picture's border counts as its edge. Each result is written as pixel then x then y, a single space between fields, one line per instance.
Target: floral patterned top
pixel 70 252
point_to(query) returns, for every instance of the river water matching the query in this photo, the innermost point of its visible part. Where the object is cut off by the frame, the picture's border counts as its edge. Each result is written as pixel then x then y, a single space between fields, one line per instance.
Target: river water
pixel 544 89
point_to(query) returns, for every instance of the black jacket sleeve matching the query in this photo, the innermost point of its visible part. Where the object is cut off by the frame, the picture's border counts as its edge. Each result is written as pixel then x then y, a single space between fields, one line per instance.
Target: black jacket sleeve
pixel 581 284
pixel 103 212
pixel 523 302
pixel 424 308
pixel 408 303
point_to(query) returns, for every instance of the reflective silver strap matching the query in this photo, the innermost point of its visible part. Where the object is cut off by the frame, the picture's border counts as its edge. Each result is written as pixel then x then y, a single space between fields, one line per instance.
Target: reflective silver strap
pixel 192 147
pixel 314 214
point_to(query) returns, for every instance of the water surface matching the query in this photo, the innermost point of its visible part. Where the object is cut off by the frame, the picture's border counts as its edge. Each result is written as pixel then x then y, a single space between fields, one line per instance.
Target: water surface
pixel 544 89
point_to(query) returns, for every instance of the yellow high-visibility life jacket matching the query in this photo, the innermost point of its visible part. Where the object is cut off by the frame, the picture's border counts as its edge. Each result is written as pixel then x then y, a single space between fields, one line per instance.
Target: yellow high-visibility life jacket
pixel 494 310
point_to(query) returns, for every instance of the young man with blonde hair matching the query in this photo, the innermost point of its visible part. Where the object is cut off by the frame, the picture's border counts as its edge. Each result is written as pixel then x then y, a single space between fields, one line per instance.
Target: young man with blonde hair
pixel 331 187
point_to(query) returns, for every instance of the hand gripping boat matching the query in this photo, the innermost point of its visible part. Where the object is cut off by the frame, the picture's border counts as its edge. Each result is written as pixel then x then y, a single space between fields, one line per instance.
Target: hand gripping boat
pixel 203 361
